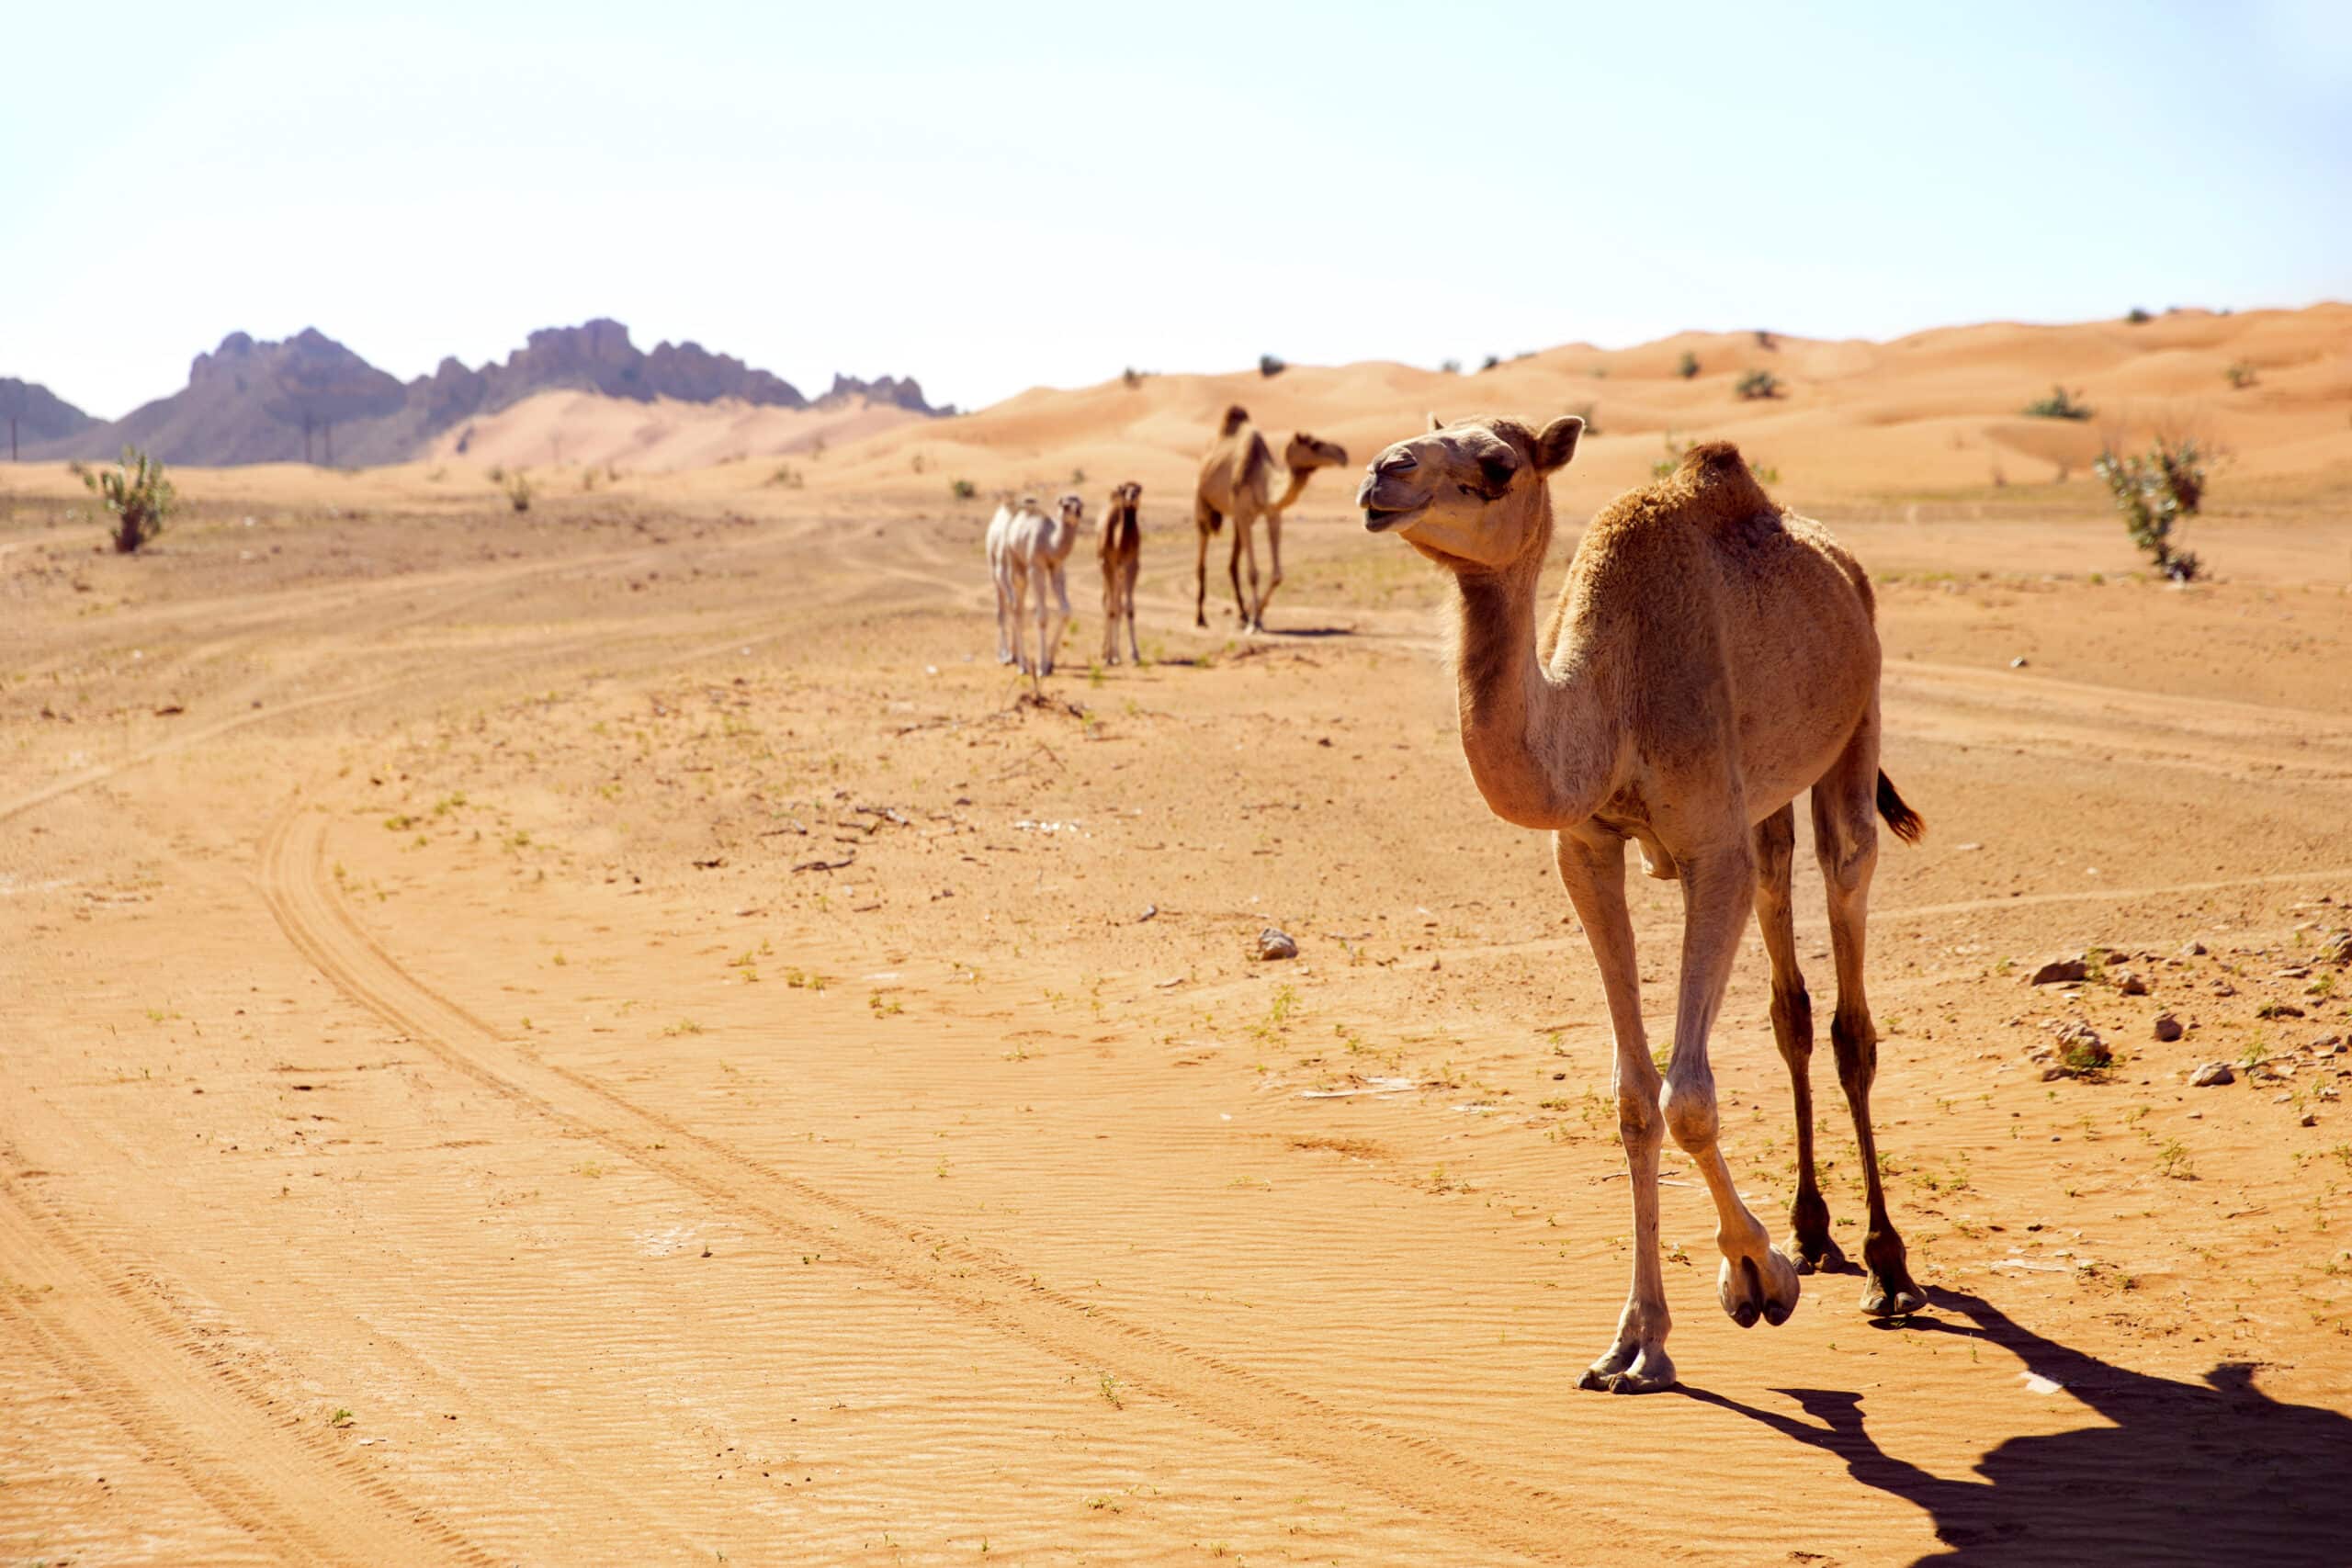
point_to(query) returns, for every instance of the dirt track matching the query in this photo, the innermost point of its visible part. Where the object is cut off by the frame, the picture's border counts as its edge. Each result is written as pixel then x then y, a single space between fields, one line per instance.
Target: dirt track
pixel 438 1124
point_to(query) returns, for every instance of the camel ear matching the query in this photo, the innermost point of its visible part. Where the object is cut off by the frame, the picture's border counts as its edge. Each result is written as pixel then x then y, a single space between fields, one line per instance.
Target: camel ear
pixel 1558 444
pixel 1436 421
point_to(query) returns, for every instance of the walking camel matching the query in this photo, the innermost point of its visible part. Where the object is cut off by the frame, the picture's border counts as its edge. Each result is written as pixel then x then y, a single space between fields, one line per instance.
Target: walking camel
pixel 1119 547
pixel 1710 657
pixel 1026 550
pixel 1236 481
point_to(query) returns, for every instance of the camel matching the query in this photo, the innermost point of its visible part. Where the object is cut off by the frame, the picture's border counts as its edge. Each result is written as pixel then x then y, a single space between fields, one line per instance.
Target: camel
pixel 1236 481
pixel 1119 547
pixel 1711 654
pixel 1027 547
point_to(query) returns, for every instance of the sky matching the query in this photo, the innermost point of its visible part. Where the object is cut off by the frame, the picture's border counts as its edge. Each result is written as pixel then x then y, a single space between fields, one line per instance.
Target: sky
pixel 995 198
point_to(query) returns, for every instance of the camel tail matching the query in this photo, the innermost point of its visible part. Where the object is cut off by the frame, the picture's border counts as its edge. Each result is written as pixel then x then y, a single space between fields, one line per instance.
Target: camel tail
pixel 1907 823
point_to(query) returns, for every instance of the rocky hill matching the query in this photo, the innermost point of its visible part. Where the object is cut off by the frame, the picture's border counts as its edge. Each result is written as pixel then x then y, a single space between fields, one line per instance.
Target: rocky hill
pixel 33 415
pixel 309 399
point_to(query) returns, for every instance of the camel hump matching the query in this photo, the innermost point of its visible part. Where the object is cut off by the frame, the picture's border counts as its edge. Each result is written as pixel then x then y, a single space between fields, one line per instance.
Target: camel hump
pixel 1720 483
pixel 1236 416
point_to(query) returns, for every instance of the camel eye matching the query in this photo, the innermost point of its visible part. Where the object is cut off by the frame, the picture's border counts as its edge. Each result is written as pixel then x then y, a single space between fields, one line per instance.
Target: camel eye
pixel 1496 468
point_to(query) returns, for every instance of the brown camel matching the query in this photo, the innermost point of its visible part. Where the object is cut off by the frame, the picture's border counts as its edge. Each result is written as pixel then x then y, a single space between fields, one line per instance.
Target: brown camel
pixel 1710 657
pixel 1236 481
pixel 1119 547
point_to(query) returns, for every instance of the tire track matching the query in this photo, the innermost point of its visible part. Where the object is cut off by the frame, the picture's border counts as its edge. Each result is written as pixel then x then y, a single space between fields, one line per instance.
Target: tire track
pixel 1503 1514
pixel 198 1413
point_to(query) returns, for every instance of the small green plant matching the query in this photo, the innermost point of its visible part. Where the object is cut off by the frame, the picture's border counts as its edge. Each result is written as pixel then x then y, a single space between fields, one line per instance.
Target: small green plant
pixel 342 1417
pixel 1489 362
pixel 2154 493
pixel 2241 375
pixel 2059 404
pixel 2138 316
pixel 1108 1386
pixel 2172 1160
pixel 517 486
pixel 1132 376
pixel 789 478
pixel 1270 365
pixel 138 494
pixel 963 490
pixel 1674 447
pixel 1688 366
pixel 1758 384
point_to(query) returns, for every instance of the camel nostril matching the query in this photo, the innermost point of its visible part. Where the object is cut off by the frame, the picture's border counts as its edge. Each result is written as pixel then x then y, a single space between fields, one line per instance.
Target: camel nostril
pixel 1396 463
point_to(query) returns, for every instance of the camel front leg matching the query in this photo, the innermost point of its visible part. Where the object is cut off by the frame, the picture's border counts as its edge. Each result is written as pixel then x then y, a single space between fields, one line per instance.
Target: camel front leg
pixel 1845 835
pixel 1128 600
pixel 1016 592
pixel 1775 842
pixel 1594 873
pixel 1004 650
pixel 1205 523
pixel 1273 562
pixel 1050 640
pixel 1245 543
pixel 1756 1279
pixel 1110 612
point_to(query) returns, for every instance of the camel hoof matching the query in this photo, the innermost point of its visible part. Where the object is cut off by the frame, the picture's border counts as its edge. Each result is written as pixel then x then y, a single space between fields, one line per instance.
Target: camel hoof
pixel 1749 1292
pixel 1818 1255
pixel 1651 1372
pixel 1881 1299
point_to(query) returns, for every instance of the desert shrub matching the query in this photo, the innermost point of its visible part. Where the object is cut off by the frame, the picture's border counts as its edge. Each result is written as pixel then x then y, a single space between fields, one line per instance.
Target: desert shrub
pixel 1758 384
pixel 138 494
pixel 1131 376
pixel 498 473
pixel 1664 467
pixel 2154 493
pixel 517 486
pixel 1078 476
pixel 1453 367
pixel 963 490
pixel 1269 366
pixel 1765 339
pixel 2138 317
pixel 915 464
pixel 588 477
pixel 1489 362
pixel 2241 375
pixel 816 449
pixel 2059 404
pixel 1688 366
pixel 788 476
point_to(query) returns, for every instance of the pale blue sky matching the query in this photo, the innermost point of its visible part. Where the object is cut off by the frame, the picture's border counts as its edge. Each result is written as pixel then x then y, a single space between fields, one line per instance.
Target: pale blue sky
pixel 993 196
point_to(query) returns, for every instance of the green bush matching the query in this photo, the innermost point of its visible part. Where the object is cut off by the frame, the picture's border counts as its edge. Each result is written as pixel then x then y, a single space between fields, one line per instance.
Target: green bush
pixel 2059 404
pixel 1758 384
pixel 1688 366
pixel 517 486
pixel 963 490
pixel 138 494
pixel 2241 375
pixel 1269 366
pixel 2138 317
pixel 2155 491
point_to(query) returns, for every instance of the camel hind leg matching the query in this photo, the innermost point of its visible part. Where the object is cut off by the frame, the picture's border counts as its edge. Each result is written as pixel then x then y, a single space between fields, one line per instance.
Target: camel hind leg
pixel 1718 876
pixel 1845 836
pixel 1775 841
pixel 1206 520
pixel 1273 564
pixel 1111 610
pixel 1132 570
pixel 1245 543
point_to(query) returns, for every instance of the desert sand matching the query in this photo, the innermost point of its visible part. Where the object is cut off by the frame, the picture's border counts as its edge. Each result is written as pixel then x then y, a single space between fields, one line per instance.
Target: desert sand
pixel 610 1034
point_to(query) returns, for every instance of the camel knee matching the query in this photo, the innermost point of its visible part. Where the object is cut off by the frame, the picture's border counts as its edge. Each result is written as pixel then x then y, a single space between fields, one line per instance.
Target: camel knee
pixel 1792 1021
pixel 1856 1042
pixel 1639 1125
pixel 1689 1110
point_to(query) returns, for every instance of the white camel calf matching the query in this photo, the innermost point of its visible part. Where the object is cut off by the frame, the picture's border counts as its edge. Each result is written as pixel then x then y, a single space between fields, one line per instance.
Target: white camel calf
pixel 1028 546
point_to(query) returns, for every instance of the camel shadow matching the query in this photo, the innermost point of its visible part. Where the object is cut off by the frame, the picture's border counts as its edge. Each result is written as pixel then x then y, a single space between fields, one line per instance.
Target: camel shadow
pixel 2188 1472
pixel 1309 631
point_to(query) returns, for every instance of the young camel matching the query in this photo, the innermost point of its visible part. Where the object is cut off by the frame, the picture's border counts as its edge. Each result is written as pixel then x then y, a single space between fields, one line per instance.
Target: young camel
pixel 1236 481
pixel 1027 548
pixel 1710 657
pixel 1119 547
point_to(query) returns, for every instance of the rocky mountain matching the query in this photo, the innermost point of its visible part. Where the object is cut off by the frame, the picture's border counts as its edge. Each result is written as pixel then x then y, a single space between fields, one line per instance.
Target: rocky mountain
pixel 309 399
pixel 33 414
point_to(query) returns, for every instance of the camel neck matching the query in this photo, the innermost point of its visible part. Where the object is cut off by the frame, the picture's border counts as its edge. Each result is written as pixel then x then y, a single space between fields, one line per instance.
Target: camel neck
pixel 1298 478
pixel 1541 749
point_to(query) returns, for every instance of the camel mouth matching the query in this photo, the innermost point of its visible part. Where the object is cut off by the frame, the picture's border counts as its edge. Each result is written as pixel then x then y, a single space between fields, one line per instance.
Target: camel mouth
pixel 1383 519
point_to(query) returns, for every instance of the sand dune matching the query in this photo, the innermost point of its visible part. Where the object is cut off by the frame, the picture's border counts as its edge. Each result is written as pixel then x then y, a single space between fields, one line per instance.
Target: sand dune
pixel 559 428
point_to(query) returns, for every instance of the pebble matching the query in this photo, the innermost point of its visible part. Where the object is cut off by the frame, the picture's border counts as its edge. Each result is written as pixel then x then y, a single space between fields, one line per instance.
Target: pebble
pixel 2060 972
pixel 2212 1074
pixel 2131 985
pixel 1273 943
pixel 2167 1027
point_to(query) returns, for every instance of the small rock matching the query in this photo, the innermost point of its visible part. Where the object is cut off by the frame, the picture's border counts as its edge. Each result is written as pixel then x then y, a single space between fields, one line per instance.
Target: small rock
pixel 2060 972
pixel 2131 985
pixel 2337 949
pixel 2167 1027
pixel 1272 943
pixel 2018 663
pixel 2328 1043
pixel 2212 1074
pixel 1149 911
pixel 2310 1117
pixel 2193 949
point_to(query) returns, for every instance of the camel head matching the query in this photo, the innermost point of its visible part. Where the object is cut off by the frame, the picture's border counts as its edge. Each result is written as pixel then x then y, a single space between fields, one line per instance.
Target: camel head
pixel 1304 452
pixel 1471 493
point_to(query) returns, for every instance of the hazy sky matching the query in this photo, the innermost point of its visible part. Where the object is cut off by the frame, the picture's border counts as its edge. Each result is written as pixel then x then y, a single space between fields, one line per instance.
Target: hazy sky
pixel 992 197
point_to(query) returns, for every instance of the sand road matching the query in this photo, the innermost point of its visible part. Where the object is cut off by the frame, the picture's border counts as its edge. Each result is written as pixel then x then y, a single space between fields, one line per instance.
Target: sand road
pixel 618 1041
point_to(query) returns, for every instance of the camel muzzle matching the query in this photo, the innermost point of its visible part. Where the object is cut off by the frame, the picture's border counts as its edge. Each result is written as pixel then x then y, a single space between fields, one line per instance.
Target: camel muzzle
pixel 1387 503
